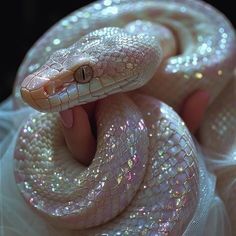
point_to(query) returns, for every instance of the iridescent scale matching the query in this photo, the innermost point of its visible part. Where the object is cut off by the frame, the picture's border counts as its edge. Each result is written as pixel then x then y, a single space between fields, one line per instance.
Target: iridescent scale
pixel 145 178
pixel 160 175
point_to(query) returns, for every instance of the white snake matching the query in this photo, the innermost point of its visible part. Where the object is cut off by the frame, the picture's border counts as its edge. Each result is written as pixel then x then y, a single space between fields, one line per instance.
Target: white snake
pixel 144 178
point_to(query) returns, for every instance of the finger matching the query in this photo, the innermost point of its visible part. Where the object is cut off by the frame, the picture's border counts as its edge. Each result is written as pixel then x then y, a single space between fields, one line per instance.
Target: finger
pixel 194 108
pixel 78 134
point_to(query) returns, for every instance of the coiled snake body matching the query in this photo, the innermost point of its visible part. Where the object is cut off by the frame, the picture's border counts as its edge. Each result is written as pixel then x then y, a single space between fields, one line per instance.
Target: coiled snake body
pixel 144 177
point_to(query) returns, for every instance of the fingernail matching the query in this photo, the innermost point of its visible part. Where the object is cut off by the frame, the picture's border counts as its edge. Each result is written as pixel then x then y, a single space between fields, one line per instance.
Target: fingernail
pixel 67 118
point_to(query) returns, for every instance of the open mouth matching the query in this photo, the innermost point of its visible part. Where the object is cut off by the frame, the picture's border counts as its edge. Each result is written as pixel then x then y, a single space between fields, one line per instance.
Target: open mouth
pixel 72 94
pixel 57 96
pixel 56 87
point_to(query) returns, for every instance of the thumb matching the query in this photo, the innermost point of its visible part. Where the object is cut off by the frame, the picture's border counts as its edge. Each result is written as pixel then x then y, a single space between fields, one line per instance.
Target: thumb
pixel 78 134
pixel 194 109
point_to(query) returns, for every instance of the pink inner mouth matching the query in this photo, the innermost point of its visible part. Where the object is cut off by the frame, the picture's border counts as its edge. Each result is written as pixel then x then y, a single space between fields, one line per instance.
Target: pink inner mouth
pixel 55 87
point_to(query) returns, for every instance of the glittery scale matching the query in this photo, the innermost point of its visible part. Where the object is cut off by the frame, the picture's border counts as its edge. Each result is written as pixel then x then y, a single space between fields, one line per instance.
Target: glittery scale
pixel 205 37
pixel 149 174
pixel 218 137
pixel 55 184
pixel 144 179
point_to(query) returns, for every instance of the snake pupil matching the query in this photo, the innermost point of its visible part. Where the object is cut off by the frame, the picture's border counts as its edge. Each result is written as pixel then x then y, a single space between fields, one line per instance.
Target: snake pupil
pixel 83 73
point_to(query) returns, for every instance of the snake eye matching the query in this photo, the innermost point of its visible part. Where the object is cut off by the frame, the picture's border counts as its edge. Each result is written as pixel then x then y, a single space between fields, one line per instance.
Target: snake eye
pixel 83 74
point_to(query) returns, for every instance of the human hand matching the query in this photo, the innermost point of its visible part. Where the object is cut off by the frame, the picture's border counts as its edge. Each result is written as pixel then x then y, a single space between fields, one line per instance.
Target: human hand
pixel 80 138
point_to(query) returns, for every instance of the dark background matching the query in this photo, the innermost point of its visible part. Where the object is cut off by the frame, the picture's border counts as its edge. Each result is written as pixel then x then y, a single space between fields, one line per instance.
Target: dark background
pixel 24 21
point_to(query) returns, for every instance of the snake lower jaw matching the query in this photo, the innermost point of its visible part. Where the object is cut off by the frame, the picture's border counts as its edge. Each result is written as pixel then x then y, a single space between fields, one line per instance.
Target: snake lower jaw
pixel 64 97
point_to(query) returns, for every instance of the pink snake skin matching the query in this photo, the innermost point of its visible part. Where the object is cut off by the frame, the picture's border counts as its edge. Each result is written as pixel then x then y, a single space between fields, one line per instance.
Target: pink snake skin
pixel 133 57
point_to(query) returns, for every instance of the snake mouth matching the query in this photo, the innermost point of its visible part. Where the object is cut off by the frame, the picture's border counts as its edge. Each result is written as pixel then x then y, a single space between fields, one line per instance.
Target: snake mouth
pixel 82 94
pixel 57 96
pixel 37 90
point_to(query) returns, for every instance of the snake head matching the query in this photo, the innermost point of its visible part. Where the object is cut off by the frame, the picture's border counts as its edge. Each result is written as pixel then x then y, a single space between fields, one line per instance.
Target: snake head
pixel 56 83
pixel 105 62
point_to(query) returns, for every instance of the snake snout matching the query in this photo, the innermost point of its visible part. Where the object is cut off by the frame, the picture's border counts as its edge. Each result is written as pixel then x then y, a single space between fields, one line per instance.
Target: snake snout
pixel 25 94
pixel 32 90
pixel 42 92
